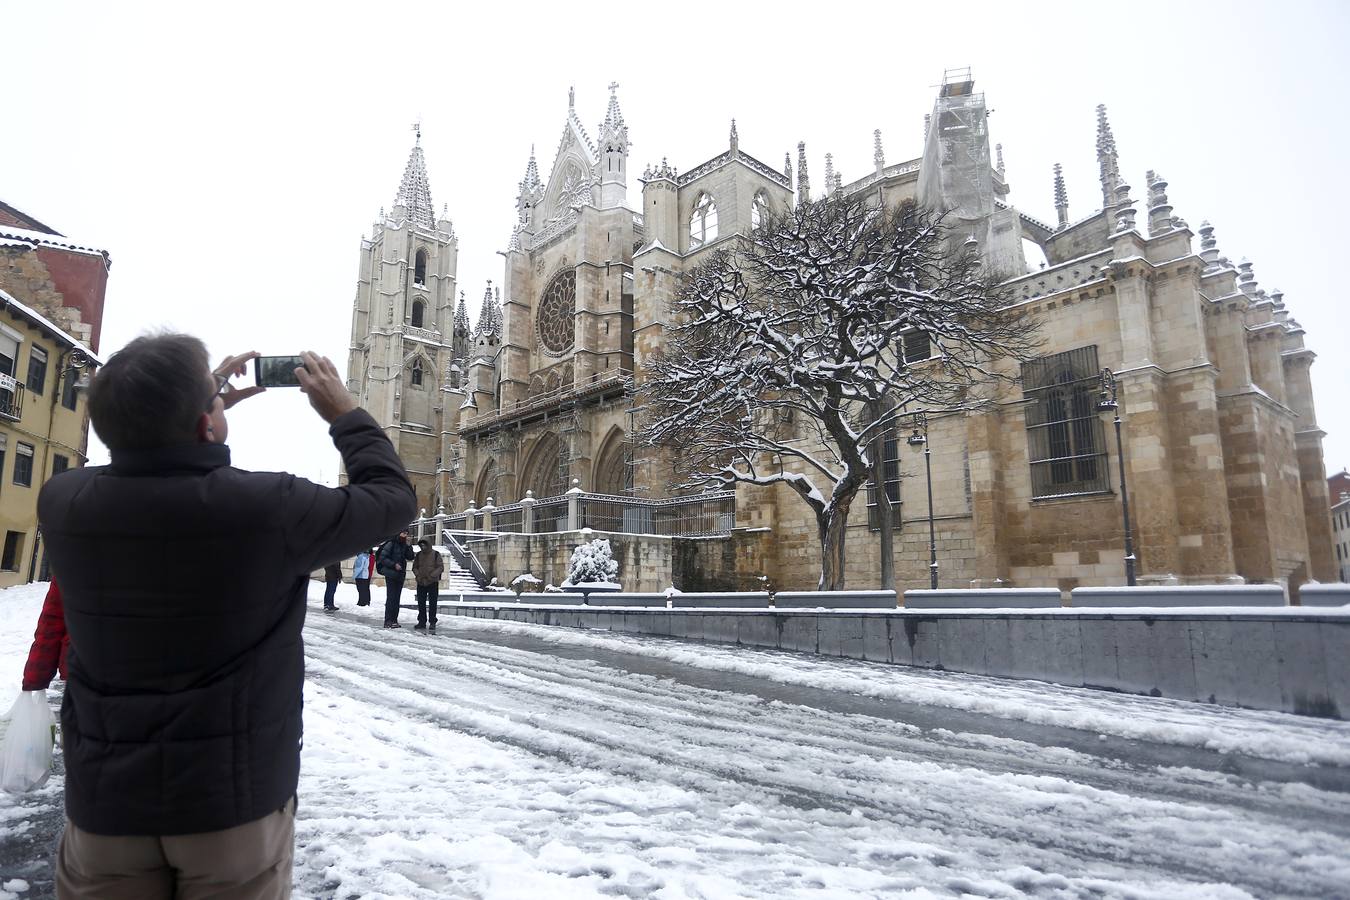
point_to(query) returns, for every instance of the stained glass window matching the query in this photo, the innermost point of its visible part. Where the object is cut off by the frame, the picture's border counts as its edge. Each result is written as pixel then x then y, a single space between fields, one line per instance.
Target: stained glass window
pixel 556 310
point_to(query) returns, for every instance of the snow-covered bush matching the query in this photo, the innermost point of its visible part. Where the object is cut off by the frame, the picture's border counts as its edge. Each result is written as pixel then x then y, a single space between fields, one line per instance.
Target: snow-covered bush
pixel 552 589
pixel 526 582
pixel 593 563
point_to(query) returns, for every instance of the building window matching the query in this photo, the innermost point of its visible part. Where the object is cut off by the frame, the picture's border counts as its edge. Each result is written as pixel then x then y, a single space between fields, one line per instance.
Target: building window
pixel 917 346
pixel 759 210
pixel 420 268
pixel 37 370
pixel 13 551
pixel 1065 444
pixel 417 373
pixel 9 388
pixel 60 463
pixel 703 223
pixel 557 311
pixel 23 465
pixel 890 463
pixel 418 313
pixel 68 388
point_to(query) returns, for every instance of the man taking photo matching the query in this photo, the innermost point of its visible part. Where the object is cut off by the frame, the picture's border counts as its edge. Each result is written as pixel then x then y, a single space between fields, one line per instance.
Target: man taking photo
pixel 182 714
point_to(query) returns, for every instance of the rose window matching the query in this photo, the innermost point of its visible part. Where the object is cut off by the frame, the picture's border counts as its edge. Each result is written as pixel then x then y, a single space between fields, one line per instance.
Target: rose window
pixel 556 310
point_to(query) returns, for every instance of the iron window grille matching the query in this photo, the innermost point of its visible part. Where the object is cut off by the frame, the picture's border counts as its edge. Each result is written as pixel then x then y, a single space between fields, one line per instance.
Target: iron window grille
pixel 890 462
pixel 1066 447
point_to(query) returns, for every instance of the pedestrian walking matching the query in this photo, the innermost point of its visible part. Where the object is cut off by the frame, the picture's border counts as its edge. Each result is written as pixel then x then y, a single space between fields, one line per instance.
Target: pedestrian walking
pixel 391 563
pixel 332 577
pixel 427 569
pixel 362 568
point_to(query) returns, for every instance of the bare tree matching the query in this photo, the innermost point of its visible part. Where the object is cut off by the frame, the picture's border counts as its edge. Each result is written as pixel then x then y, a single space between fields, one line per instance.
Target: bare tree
pixel 786 356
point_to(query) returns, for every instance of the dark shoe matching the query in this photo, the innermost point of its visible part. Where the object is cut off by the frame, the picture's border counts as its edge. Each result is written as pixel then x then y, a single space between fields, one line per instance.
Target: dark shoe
pixel 392 625
pixel 362 603
pixel 431 629
pixel 330 609
pixel 419 627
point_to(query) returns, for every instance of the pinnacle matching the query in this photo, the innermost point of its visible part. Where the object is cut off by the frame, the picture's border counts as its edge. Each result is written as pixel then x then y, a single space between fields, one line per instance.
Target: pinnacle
pixel 414 192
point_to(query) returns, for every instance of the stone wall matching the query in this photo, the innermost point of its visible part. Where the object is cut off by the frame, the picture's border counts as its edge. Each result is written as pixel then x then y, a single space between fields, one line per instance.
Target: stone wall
pixel 1291 660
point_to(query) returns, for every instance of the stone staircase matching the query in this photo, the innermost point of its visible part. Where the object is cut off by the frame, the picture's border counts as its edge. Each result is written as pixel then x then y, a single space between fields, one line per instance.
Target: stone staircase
pixel 455 579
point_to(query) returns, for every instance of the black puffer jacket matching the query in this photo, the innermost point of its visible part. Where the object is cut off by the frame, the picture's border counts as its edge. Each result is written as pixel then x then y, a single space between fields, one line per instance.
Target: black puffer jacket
pixel 182 711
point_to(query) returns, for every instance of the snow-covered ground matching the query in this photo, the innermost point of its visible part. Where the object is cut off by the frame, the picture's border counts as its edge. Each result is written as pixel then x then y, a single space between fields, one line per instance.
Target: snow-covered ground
pixel 502 760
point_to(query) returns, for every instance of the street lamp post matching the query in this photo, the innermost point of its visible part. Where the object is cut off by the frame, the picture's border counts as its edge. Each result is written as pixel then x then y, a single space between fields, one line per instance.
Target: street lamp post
pixel 920 439
pixel 1109 399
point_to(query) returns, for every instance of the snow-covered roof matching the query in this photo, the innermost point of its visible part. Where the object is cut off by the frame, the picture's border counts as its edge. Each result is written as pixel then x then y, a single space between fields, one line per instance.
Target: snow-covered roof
pixel 8 301
pixel 42 238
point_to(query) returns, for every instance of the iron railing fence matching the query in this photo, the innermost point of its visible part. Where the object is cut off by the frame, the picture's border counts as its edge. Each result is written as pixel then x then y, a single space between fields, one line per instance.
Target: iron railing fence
pixel 699 516
pixel 702 515
pixel 550 514
pixel 509 518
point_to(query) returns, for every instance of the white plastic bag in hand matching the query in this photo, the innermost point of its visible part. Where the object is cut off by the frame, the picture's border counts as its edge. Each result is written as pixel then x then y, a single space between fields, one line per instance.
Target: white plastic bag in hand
pixel 26 757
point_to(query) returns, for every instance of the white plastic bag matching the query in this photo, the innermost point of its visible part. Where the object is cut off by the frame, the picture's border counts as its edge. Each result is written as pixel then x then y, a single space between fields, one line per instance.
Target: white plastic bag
pixel 26 757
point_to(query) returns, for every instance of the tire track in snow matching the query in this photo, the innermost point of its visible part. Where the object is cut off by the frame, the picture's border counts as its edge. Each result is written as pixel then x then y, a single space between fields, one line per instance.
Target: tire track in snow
pixel 853 765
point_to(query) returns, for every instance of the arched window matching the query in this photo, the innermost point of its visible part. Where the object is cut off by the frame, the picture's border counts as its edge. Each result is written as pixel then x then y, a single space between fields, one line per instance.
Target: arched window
pixel 417 373
pixel 759 210
pixel 420 268
pixel 418 314
pixel 557 310
pixel 703 223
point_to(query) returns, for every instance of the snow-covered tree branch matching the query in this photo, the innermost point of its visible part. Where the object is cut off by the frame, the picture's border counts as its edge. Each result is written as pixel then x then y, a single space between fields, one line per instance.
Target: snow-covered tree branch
pixel 784 348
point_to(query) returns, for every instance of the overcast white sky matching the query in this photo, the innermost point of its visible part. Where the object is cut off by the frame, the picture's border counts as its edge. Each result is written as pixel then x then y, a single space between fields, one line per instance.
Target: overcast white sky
pixel 231 159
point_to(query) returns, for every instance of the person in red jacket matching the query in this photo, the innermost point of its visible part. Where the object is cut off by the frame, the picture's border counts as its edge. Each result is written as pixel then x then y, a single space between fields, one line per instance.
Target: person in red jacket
pixel 50 642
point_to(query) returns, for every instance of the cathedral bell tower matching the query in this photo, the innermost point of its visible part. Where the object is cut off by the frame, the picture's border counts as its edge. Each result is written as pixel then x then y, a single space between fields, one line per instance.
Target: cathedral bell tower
pixel 403 358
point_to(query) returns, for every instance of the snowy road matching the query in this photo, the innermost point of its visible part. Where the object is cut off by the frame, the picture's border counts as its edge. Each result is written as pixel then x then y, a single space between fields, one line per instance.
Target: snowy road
pixel 499 760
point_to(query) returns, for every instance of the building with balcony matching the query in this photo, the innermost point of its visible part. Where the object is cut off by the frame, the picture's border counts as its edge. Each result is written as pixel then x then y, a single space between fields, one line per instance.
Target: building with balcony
pixel 1221 445
pixel 51 310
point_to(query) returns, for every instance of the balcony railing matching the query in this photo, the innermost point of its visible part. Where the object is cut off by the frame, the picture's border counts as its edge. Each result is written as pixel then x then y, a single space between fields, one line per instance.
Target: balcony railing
pixel 597 383
pixel 11 398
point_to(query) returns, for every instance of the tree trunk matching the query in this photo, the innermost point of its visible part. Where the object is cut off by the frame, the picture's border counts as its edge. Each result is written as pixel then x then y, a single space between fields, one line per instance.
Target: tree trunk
pixel 831 527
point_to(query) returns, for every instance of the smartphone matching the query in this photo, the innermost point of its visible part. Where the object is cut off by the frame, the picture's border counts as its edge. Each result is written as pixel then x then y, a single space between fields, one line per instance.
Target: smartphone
pixel 277 371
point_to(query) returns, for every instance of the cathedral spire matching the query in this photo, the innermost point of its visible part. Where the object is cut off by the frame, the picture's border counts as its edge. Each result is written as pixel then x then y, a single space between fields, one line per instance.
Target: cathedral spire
pixel 489 328
pixel 414 192
pixel 829 173
pixel 612 163
pixel 735 139
pixel 461 327
pixel 787 167
pixel 803 182
pixel 1107 160
pixel 878 158
pixel 1061 197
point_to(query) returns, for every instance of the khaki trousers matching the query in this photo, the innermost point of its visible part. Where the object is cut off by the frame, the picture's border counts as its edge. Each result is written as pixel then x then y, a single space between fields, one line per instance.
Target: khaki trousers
pixel 248 862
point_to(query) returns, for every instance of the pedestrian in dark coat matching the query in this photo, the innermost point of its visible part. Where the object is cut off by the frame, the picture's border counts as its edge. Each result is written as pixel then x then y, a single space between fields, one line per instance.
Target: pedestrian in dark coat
pixel 332 577
pixel 392 564
pixel 427 569
pixel 182 715
pixel 47 656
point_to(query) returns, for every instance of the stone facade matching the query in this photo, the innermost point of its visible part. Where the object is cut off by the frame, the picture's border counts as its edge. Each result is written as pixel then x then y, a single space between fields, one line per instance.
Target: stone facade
pixel 1222 450
pixel 51 306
